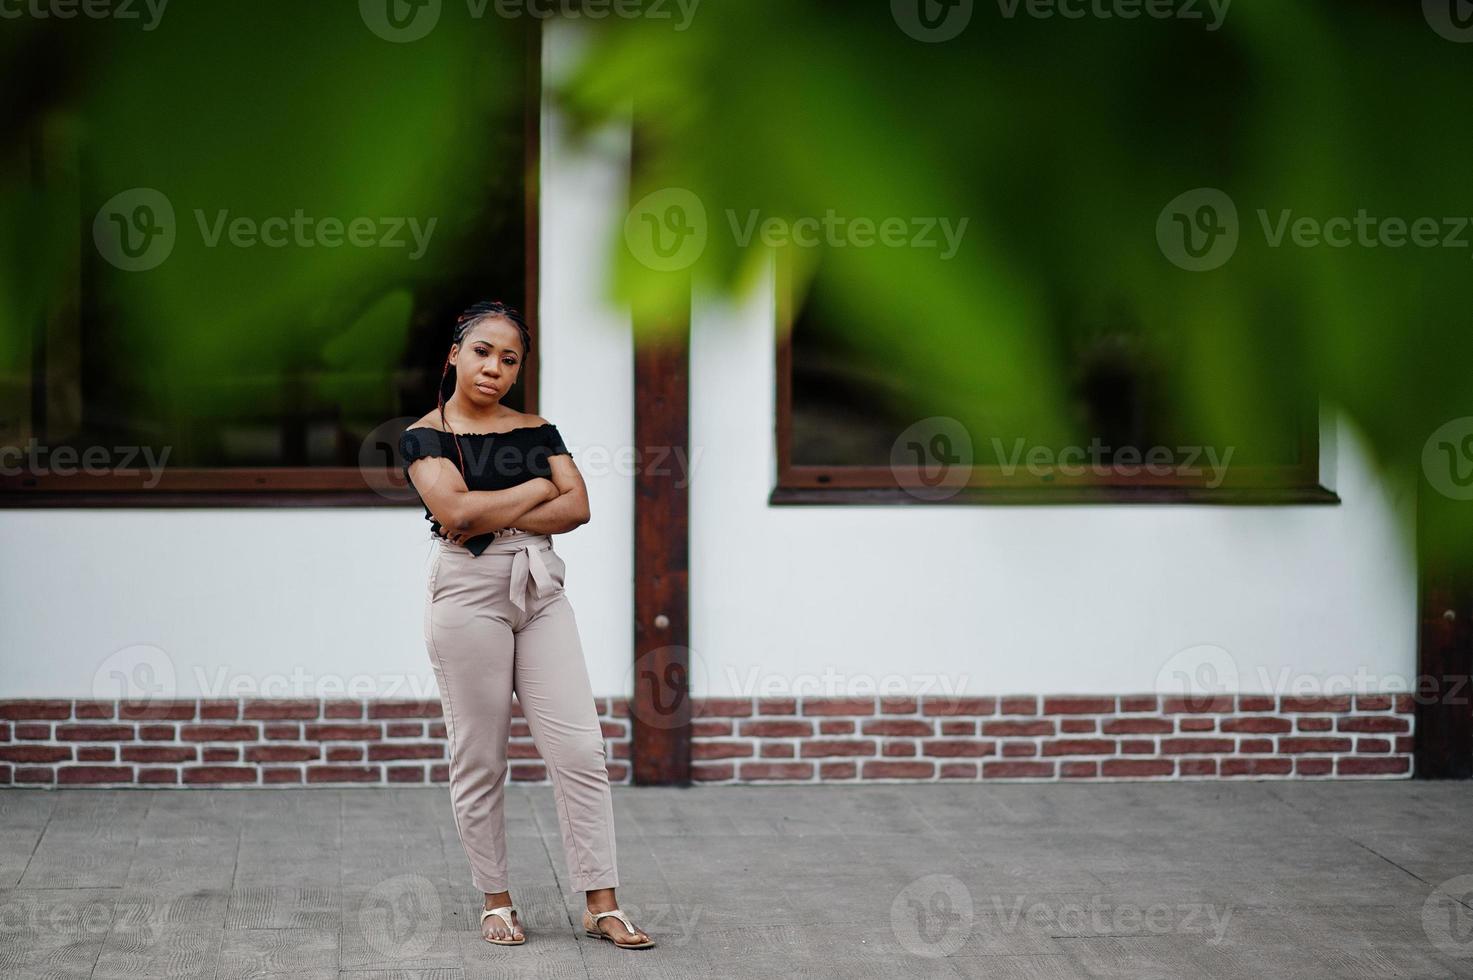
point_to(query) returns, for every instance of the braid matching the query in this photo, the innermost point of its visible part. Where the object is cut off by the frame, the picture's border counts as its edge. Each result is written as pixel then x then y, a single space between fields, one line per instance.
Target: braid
pixel 459 455
pixel 474 314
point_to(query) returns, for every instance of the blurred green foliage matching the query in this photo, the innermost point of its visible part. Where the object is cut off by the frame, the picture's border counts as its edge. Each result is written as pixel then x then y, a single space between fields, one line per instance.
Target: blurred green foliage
pixel 299 119
pixel 1059 140
pixel 1062 140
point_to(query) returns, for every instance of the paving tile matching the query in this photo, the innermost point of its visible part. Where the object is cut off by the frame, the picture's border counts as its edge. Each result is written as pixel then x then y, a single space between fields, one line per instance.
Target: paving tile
pixel 250 953
pixel 1037 881
pixel 170 953
pixel 53 932
pixel 284 907
pixel 80 860
pixel 1053 966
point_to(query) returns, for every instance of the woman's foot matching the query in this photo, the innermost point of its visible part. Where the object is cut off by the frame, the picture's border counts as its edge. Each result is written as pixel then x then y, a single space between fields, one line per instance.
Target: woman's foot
pixel 615 928
pixel 494 928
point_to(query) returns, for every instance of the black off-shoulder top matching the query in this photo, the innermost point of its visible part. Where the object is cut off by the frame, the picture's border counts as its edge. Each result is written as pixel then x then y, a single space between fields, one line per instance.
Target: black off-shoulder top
pixel 493 460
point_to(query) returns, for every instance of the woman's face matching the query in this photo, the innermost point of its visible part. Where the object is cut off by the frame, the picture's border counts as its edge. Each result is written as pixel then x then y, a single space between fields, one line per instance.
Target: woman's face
pixel 487 361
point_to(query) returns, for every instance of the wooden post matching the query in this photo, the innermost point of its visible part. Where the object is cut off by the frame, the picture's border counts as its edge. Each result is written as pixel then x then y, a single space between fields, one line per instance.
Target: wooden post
pixel 660 711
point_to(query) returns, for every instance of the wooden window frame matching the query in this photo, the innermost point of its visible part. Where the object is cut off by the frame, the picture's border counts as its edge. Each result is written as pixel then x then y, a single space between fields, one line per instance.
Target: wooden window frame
pixel 868 485
pixel 296 486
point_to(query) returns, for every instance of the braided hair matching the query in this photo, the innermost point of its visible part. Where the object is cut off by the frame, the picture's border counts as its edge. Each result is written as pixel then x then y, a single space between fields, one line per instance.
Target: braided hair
pixel 474 314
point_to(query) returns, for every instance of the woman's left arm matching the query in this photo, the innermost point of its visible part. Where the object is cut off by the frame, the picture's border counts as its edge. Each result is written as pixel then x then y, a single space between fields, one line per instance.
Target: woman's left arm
pixel 568 509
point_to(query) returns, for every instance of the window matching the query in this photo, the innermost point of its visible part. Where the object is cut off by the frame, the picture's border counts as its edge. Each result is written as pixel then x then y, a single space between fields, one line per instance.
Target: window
pixel 852 427
pixel 238 244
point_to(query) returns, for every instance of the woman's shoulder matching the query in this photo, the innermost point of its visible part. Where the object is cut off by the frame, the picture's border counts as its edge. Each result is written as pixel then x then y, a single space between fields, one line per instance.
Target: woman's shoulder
pixel 420 440
pixel 527 421
pixel 430 420
pixel 513 422
pixel 427 420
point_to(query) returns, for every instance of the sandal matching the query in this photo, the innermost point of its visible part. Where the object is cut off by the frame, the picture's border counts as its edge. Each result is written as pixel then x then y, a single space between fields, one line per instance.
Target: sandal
pixel 504 914
pixel 590 926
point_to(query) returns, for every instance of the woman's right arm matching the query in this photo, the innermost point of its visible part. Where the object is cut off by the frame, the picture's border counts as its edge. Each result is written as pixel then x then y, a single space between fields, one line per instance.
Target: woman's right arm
pixel 467 513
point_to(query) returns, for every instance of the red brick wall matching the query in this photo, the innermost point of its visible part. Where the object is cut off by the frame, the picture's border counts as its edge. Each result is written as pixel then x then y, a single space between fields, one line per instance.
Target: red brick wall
pixel 253 743
pixel 334 743
pixel 1031 737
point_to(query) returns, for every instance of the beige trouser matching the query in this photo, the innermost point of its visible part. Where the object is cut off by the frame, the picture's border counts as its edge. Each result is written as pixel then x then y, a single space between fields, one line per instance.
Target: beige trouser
pixel 500 623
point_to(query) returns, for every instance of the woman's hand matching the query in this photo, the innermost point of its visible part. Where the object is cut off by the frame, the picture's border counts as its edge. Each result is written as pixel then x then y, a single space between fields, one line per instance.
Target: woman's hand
pixel 549 490
pixel 453 538
pixel 471 513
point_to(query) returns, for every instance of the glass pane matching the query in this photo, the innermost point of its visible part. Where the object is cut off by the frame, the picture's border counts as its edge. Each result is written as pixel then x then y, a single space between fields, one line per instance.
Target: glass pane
pixel 852 400
pixel 240 239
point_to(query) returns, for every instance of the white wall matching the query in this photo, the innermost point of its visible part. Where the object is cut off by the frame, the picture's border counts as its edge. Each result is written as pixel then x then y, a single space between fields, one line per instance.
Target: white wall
pixel 1007 599
pixel 326 600
pixel 588 370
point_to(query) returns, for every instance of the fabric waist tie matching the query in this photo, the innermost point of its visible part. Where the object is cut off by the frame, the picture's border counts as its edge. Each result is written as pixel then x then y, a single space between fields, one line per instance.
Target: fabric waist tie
pixel 527 566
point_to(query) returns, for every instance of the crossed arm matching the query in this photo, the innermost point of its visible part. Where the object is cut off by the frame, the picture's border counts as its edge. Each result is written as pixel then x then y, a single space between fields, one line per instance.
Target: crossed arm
pixel 539 505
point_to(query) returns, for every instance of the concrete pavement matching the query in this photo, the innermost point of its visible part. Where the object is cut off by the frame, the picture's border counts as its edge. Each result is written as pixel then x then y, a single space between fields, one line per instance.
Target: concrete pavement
pixel 1265 880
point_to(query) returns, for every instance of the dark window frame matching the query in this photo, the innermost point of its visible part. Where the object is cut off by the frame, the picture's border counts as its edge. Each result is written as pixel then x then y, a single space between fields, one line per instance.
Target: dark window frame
pixel 869 485
pixel 297 486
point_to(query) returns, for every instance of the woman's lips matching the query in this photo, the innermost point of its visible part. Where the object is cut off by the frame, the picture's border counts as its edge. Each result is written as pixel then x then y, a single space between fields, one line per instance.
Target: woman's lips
pixel 489 389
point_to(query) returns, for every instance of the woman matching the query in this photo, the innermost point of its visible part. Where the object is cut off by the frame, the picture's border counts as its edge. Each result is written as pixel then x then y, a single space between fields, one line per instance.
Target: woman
pixel 496 484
